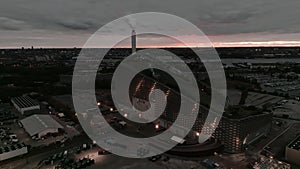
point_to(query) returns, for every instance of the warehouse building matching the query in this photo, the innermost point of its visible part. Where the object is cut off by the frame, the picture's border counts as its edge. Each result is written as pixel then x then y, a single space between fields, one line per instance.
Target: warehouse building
pixel 25 105
pixel 292 151
pixel 38 126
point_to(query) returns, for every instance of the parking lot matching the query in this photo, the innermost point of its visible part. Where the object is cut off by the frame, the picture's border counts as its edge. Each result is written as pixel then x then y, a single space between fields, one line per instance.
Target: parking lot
pixel 289 108
pixel 23 136
pixel 78 157
pixel 11 132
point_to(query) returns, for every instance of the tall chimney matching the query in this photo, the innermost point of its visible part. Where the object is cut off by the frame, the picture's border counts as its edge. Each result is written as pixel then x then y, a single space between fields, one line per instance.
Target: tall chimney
pixel 133 41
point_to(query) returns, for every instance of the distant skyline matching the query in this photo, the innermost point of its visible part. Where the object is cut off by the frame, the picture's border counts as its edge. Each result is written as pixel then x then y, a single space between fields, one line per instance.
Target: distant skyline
pixel 227 23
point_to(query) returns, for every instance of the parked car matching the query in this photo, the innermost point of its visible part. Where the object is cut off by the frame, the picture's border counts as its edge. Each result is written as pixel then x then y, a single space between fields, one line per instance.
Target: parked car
pixel 103 152
pixel 155 158
pixel 209 164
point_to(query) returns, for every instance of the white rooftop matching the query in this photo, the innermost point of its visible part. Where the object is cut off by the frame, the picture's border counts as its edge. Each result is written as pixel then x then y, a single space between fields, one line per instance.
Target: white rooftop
pixel 38 123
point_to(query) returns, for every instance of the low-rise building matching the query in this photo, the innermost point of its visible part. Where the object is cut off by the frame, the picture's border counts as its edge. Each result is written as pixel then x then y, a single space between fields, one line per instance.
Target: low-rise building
pixel 11 151
pixel 40 125
pixel 292 151
pixel 25 105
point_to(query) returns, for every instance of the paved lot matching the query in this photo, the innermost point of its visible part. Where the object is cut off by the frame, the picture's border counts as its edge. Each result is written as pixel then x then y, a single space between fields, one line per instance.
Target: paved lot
pixel 259 99
pixel 291 108
pixel 24 137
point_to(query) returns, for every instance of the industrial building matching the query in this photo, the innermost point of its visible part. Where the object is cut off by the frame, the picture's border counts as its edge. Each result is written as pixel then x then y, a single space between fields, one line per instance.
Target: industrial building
pixel 11 151
pixel 292 151
pixel 238 128
pixel 241 126
pixel 38 126
pixel 25 105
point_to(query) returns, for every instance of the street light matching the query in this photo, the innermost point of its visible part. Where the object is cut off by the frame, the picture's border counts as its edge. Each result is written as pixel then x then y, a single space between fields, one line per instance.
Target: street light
pixel 197 134
pixel 156 126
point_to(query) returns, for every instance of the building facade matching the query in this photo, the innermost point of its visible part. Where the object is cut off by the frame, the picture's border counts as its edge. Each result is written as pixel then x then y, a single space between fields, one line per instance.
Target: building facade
pixel 292 151
pixel 38 126
pixel 239 126
pixel 12 151
pixel 237 134
pixel 25 104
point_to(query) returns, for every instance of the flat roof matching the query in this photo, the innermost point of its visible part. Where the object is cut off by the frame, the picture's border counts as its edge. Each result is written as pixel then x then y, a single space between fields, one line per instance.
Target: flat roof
pixel 239 112
pixel 24 101
pixel 38 123
pixel 295 144
pixel 9 148
pixel 178 139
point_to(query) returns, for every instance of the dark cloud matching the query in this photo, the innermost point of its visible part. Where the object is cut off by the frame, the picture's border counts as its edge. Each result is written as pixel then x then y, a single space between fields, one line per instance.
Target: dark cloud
pixel 11 24
pixel 214 17
pixel 233 17
pixel 76 25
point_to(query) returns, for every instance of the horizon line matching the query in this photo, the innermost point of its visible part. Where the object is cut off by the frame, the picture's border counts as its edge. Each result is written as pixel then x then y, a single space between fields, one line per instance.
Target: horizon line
pixel 153 47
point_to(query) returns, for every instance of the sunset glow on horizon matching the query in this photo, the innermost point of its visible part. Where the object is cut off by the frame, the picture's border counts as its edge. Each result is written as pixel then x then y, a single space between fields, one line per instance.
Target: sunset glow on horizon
pixel 233 44
pixel 146 41
pixel 214 44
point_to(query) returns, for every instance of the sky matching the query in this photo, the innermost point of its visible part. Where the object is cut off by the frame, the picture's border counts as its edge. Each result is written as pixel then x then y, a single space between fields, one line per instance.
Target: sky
pixel 227 23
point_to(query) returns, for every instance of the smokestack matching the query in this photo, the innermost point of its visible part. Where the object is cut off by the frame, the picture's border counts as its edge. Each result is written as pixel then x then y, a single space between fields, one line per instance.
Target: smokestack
pixel 133 41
